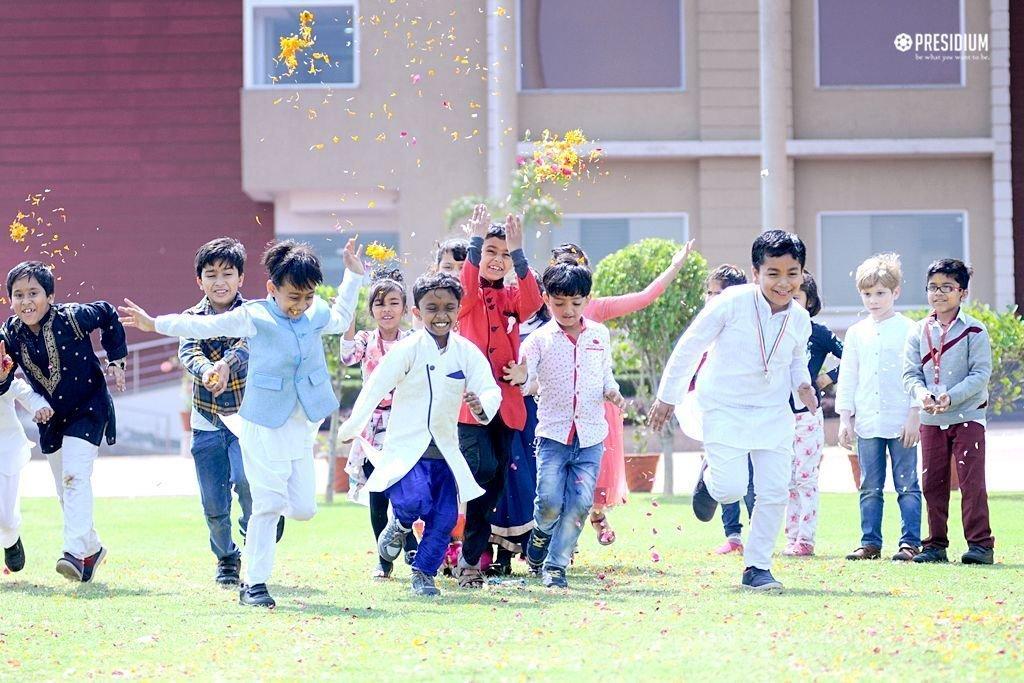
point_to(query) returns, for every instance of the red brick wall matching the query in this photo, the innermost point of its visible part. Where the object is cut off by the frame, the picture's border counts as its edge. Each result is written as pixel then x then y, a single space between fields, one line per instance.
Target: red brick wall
pixel 129 112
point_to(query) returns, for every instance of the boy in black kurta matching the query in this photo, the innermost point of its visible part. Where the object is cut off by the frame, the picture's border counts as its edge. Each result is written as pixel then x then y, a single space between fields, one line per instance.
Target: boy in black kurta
pixel 51 344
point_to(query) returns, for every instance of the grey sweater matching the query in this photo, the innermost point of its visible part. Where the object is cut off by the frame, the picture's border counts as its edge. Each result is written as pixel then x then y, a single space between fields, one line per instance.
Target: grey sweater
pixel 965 364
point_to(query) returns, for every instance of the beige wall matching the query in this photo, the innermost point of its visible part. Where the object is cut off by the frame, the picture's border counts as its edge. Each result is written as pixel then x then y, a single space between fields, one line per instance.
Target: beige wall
pixel 953 184
pixel 888 113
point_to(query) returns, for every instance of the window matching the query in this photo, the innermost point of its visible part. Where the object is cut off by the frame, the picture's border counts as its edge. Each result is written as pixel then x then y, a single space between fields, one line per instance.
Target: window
pixel 846 239
pixel 328 247
pixel 857 43
pixel 335 30
pixel 602 235
pixel 600 44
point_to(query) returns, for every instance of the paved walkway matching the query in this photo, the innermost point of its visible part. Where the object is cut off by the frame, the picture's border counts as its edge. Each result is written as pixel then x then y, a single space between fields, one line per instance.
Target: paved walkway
pixel 174 475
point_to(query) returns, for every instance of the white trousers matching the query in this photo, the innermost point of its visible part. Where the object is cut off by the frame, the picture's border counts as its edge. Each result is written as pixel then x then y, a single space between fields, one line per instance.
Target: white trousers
pixel 727 477
pixel 10 509
pixel 278 486
pixel 72 475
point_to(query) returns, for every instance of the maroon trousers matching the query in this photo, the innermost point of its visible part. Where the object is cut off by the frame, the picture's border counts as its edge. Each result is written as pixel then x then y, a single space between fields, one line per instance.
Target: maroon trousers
pixel 963 444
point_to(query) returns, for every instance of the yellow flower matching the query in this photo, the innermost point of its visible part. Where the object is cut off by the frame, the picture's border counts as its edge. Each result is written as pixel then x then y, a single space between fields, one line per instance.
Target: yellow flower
pixel 575 137
pixel 306 17
pixel 380 253
pixel 18 230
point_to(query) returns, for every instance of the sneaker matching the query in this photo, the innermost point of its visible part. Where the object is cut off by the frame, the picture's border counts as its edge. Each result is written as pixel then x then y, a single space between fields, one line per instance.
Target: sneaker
pixel 228 571
pixel 468 575
pixel 978 555
pixel 382 570
pixel 704 505
pixel 790 550
pixel 92 563
pixel 280 529
pixel 410 556
pixel 931 554
pixel 906 553
pixel 537 547
pixel 865 552
pixel 554 577
pixel 803 549
pixel 70 567
pixel 256 595
pixel 760 580
pixel 392 540
pixel 534 572
pixel 423 584
pixel 14 557
pixel 731 545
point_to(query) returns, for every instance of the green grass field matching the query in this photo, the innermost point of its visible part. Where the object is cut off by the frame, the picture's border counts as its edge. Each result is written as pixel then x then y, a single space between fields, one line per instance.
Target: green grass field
pixel 156 613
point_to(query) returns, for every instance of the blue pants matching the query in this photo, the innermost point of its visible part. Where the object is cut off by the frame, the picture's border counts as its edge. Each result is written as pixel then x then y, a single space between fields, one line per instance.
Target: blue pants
pixel 218 461
pixel 731 511
pixel 566 476
pixel 908 492
pixel 427 492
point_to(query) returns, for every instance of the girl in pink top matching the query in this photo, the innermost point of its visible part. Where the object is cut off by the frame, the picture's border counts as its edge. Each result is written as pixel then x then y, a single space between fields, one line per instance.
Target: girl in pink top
pixel 387 304
pixel 611 486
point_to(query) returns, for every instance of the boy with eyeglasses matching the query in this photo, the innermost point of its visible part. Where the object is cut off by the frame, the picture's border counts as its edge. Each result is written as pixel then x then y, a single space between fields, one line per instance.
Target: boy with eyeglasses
pixel 947 366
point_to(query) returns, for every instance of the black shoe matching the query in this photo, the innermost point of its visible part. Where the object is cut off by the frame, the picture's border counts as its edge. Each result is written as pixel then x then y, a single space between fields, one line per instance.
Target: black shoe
pixel 537 548
pixel 92 563
pixel 228 571
pixel 554 577
pixel 256 595
pixel 704 505
pixel 423 584
pixel 14 557
pixel 70 567
pixel 392 540
pixel 410 556
pixel 978 555
pixel 280 529
pixel 931 554
pixel 760 580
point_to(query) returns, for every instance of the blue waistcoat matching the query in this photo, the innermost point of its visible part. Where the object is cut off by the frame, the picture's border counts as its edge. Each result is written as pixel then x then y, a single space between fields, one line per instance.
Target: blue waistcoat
pixel 287 364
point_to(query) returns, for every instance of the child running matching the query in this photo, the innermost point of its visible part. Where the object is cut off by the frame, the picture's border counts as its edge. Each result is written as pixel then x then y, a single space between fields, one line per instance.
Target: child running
pixel 420 468
pixel 17 450
pixel 366 348
pixel 52 343
pixel 288 389
pixel 760 357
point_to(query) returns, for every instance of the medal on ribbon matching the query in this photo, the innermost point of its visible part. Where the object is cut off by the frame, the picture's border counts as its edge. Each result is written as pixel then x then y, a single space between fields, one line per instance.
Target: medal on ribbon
pixel 766 356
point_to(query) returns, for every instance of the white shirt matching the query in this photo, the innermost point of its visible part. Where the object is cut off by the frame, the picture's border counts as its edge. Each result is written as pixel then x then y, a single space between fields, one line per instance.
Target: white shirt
pixel 740 407
pixel 15 448
pixel 570 380
pixel 871 377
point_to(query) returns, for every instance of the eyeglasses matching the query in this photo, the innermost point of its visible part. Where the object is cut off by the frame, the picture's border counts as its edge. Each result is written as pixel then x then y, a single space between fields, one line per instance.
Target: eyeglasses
pixel 945 289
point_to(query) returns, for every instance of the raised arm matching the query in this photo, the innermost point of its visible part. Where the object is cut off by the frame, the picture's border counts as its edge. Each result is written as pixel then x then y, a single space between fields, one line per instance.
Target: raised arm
pixel 478 224
pixel 343 312
pixel 610 307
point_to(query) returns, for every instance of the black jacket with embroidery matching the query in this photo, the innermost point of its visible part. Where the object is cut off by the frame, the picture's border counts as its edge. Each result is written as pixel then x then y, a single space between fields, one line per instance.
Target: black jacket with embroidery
pixel 60 364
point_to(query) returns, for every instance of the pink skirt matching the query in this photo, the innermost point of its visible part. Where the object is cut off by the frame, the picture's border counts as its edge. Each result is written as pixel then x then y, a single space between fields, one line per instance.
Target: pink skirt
pixel 612 488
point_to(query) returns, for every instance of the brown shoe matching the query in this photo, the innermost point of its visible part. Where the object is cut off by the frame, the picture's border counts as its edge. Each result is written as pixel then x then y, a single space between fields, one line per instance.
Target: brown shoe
pixel 865 552
pixel 906 554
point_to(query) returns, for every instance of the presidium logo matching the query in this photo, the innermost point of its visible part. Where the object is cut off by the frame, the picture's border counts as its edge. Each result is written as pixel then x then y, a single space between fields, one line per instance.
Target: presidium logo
pixel 953 45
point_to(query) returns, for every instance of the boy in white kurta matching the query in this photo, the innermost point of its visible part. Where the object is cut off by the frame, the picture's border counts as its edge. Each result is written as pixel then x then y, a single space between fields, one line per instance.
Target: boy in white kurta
pixel 288 392
pixel 15 451
pixel 760 338
pixel 420 466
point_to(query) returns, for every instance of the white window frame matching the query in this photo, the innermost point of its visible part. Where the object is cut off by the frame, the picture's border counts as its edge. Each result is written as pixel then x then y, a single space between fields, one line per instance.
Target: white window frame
pixel 923 86
pixel 584 91
pixel 819 251
pixel 248 47
pixel 622 214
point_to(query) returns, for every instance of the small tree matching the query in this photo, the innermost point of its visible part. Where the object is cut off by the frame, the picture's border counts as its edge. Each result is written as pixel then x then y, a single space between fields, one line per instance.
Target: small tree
pixel 651 333
pixel 1006 333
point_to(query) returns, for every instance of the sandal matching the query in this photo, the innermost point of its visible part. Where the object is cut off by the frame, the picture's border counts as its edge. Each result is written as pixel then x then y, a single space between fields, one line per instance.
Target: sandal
pixel 605 534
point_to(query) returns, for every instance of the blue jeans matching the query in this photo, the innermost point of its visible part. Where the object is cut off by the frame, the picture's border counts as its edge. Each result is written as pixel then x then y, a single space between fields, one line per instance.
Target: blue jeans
pixel 566 477
pixel 731 511
pixel 218 460
pixel 871 453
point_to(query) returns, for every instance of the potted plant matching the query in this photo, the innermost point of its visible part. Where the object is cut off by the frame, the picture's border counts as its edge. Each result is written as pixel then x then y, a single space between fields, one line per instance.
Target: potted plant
pixel 641 463
pixel 651 333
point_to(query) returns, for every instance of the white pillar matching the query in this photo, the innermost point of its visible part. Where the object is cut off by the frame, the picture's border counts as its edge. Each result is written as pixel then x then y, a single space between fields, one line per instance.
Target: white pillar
pixel 773 20
pixel 1002 201
pixel 502 124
